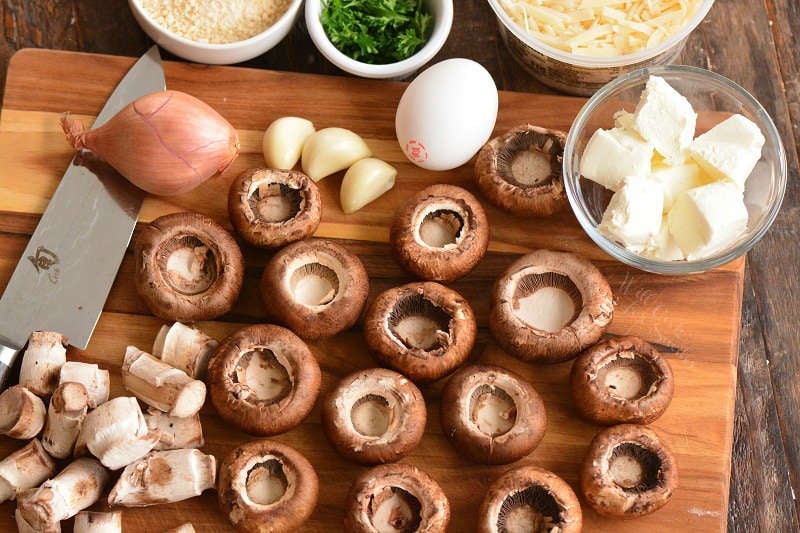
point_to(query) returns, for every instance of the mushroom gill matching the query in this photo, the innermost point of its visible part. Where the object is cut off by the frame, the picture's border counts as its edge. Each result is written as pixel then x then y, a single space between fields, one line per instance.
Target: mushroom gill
pixel 372 415
pixel 418 323
pixel 634 468
pixel 492 410
pixel 394 510
pixel 188 265
pixel 531 510
pixel 266 482
pixel 441 228
pixel 314 284
pixel 260 373
pixel 547 301
pixel 627 377
pixel 275 202
pixel 529 158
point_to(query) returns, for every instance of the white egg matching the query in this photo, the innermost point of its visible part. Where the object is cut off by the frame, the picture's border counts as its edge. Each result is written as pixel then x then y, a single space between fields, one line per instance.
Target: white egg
pixel 446 114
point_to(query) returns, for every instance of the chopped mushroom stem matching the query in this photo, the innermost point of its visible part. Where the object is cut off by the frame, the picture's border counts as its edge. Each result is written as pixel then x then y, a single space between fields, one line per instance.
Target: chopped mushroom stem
pixel 160 385
pixel 42 361
pixel 22 413
pixel 164 477
pixel 95 380
pixel 175 433
pixel 184 348
pixel 93 522
pixel 25 468
pixel 183 528
pixel 330 150
pixel 283 141
pixel 116 433
pixel 68 408
pixel 24 527
pixel 75 488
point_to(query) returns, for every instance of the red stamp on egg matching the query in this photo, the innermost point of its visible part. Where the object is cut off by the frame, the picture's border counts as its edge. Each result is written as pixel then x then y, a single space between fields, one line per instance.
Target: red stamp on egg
pixel 416 151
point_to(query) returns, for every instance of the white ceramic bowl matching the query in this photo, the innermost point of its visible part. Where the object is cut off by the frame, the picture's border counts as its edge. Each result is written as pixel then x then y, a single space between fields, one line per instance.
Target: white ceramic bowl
pixel 216 54
pixel 442 11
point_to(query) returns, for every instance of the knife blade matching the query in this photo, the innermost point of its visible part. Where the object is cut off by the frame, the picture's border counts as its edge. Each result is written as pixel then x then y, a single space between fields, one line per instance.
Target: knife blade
pixel 62 280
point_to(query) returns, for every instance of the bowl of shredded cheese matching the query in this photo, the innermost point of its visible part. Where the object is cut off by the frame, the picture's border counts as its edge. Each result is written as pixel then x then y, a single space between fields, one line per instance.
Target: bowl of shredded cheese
pixel 216 32
pixel 577 47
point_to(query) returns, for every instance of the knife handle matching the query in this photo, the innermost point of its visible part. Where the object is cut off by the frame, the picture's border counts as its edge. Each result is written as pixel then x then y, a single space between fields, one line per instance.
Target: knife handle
pixel 8 356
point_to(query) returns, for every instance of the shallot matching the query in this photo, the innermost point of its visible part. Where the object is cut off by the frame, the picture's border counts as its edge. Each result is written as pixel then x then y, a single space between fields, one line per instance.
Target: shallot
pixel 166 143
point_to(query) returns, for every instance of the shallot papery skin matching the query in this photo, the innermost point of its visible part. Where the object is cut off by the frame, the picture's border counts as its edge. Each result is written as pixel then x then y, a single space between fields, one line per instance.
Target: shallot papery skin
pixel 165 143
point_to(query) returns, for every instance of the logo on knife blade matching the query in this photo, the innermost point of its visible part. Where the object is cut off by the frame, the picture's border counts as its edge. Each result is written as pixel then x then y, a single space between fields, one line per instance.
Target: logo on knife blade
pixel 46 260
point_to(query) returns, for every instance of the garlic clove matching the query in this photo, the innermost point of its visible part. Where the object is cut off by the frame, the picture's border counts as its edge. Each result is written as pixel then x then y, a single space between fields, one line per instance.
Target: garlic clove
pixel 330 150
pixel 364 182
pixel 284 140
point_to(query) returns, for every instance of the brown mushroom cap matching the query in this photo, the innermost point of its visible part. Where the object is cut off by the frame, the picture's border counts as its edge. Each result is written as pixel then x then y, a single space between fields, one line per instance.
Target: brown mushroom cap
pixel 548 306
pixel 374 416
pixel 315 287
pixel 271 208
pixel 492 415
pixel 628 471
pixel 440 234
pixel 398 496
pixel 423 330
pixel 520 171
pixel 530 499
pixel 263 379
pixel 623 380
pixel 267 487
pixel 188 268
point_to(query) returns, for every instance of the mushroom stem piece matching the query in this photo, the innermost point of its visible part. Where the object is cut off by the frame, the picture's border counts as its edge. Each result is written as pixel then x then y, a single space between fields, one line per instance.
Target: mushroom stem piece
pixel 91 522
pixel 24 469
pixel 42 361
pixel 64 418
pixel 24 527
pixel 164 477
pixel 185 348
pixel 160 385
pixel 183 528
pixel 175 433
pixel 75 488
pixel 22 413
pixel 93 378
pixel 116 433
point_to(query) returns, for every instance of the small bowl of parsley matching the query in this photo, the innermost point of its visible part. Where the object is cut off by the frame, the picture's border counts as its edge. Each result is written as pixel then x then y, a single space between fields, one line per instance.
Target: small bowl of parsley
pixel 379 38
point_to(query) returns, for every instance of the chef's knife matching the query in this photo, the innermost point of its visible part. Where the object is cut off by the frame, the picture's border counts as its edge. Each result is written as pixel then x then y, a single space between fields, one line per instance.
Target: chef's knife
pixel 62 279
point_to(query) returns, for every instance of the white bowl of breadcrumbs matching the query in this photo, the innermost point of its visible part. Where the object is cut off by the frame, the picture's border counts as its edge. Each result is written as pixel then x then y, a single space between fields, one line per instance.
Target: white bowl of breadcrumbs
pixel 216 32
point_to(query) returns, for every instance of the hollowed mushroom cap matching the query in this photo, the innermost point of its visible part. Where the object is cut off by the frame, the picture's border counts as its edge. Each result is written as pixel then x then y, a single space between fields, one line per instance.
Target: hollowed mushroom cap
pixel 622 380
pixel 520 171
pixel 267 487
pixel 188 268
pixel 530 498
pixel 440 234
pixel 492 415
pixel 628 472
pixel 398 496
pixel 263 379
pixel 548 306
pixel 423 330
pixel 374 416
pixel 315 287
pixel 271 208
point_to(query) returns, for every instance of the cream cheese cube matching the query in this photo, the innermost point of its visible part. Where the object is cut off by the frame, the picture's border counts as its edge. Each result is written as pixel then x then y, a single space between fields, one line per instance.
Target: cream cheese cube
pixel 677 179
pixel 663 246
pixel 665 118
pixel 611 155
pixel 729 150
pixel 706 219
pixel 633 216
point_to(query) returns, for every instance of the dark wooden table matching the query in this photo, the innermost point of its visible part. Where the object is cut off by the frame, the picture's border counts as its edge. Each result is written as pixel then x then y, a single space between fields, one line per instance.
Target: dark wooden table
pixel 753 42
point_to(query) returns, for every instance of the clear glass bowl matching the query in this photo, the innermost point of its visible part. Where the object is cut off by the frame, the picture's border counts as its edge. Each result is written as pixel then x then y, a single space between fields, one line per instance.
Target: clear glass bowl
pixel 714 98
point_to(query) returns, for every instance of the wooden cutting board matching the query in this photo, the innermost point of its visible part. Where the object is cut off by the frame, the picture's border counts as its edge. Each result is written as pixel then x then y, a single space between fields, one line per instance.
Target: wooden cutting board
pixel 694 320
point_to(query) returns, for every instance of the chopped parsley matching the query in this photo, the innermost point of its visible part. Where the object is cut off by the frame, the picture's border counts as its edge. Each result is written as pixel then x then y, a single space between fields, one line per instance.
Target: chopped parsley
pixel 377 31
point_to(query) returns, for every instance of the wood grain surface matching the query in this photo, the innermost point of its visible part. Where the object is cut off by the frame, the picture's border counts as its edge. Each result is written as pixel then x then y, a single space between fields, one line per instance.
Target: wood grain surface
pixel 694 320
pixel 754 42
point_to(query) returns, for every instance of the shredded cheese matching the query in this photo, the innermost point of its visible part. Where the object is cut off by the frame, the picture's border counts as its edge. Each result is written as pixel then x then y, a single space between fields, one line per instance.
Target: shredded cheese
pixel 601 28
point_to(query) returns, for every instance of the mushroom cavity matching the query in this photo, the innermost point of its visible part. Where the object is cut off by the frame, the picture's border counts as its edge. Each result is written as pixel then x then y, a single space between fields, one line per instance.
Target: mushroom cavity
pixel 492 415
pixel 315 287
pixel 628 472
pixel 423 330
pixel 520 171
pixel 267 486
pixel 548 306
pixel 271 208
pixel 374 416
pixel 622 380
pixel 263 379
pixel 530 500
pixel 440 234
pixel 188 268
pixel 397 498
